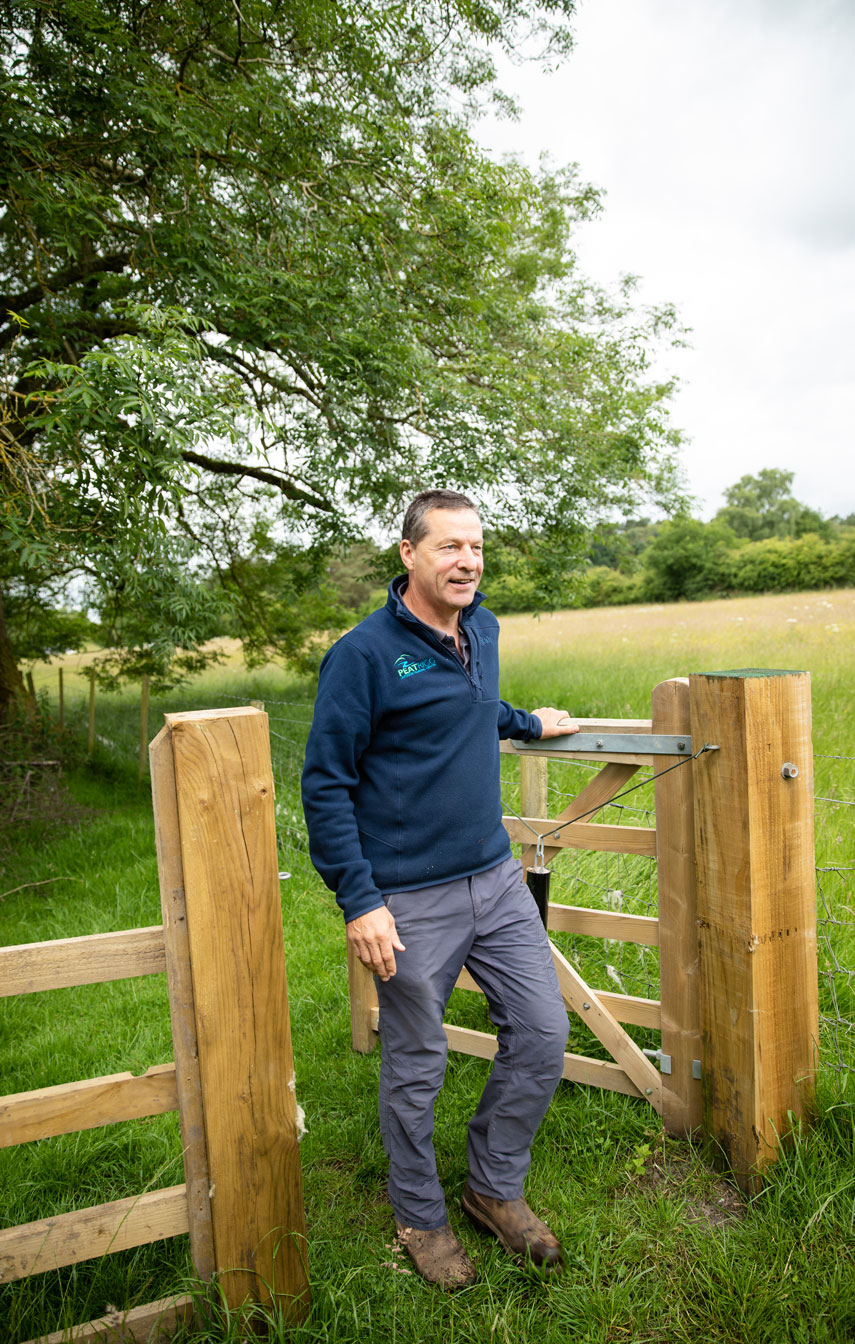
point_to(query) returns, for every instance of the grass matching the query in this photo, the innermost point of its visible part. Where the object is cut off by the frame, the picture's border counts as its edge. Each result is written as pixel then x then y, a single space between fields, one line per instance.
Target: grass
pixel 645 1262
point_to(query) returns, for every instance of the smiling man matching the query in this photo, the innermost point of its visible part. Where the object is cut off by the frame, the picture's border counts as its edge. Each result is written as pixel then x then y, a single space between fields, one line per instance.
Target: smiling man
pixel 402 800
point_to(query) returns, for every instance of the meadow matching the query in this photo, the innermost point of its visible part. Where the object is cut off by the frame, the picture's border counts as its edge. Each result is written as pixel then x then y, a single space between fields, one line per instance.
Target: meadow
pixel 660 1247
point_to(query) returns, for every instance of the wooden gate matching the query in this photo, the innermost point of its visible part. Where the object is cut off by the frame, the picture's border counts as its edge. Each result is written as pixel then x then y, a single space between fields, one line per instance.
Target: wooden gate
pixel 736 923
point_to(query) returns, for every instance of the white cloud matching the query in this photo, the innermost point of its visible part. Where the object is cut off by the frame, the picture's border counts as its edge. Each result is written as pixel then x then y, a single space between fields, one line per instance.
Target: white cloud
pixel 722 132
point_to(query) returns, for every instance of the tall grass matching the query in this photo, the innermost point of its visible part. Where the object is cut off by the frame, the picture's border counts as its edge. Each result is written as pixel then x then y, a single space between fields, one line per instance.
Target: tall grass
pixel 646 1259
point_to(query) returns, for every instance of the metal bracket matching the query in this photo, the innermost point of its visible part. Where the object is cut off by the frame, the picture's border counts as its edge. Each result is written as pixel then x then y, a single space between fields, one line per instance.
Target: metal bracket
pixel 696 1069
pixel 647 744
pixel 663 1060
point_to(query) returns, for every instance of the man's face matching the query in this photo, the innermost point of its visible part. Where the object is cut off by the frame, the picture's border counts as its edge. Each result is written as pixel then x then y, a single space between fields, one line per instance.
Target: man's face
pixel 447 563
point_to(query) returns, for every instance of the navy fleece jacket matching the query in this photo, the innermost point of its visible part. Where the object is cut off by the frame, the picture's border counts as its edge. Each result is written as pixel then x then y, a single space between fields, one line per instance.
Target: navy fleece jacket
pixel 401 780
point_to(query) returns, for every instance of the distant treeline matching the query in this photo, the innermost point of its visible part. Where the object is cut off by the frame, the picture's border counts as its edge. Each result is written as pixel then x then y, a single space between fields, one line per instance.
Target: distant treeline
pixel 762 541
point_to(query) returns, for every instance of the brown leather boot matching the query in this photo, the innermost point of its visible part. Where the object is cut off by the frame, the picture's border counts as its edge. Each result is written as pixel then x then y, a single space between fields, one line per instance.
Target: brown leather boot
pixel 518 1229
pixel 437 1256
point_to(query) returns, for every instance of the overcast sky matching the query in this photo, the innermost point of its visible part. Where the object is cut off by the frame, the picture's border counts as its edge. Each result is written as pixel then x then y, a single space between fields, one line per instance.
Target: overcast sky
pixel 723 133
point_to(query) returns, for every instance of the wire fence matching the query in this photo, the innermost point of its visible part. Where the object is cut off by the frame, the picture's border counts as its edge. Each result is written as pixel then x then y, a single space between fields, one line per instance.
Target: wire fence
pixel 626 883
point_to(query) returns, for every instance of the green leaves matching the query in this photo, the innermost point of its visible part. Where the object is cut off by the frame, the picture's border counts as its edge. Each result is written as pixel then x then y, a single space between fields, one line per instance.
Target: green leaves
pixel 255 267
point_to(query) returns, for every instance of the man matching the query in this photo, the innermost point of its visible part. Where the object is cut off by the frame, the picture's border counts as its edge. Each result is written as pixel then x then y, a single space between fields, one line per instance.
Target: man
pixel 402 802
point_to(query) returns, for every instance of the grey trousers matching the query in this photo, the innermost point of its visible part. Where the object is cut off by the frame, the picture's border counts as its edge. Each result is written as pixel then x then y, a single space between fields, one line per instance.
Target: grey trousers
pixel 489 923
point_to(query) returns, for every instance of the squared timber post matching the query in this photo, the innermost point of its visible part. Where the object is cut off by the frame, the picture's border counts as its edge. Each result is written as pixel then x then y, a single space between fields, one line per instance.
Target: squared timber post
pixel 756 908
pixel 682 1097
pixel 227 865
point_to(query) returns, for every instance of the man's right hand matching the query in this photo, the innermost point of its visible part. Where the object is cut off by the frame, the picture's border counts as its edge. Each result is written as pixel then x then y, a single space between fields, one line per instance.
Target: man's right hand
pixel 373 937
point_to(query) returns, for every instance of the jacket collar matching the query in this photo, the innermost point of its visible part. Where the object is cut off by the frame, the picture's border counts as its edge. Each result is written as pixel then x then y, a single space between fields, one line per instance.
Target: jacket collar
pixel 398 607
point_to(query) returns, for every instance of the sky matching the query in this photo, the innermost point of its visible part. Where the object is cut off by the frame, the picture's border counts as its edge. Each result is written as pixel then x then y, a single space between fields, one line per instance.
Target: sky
pixel 723 135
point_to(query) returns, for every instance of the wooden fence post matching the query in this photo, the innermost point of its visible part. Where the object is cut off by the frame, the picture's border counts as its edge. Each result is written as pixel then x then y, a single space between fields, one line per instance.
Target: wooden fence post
pixel 534 798
pixel 143 752
pixel 682 1109
pixel 363 1003
pixel 756 908
pixel 229 873
pixel 91 745
pixel 61 703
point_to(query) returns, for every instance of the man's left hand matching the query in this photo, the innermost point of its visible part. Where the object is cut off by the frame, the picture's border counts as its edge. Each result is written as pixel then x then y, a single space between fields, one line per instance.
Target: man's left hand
pixel 556 722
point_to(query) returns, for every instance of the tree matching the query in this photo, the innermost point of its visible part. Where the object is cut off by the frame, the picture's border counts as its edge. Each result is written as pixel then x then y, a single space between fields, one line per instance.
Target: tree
pixel 260 284
pixel 763 506
pixel 686 559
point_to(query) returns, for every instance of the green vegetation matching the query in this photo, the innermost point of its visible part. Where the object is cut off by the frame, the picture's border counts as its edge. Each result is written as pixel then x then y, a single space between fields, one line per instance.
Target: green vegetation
pixel 762 541
pixel 259 285
pixel 660 1250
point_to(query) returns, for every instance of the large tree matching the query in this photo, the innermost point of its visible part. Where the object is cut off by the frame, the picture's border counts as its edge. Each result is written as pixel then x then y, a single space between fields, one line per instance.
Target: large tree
pixel 764 506
pixel 260 283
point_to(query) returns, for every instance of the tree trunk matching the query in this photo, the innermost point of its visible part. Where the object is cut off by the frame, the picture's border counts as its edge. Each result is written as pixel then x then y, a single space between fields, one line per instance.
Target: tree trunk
pixel 12 689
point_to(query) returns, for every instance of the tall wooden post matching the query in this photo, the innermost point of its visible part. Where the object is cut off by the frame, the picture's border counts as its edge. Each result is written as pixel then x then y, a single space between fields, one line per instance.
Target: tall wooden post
pixel 756 908
pixel 682 1098
pixel 534 797
pixel 61 703
pixel 143 751
pixel 363 1004
pixel 91 745
pixel 223 790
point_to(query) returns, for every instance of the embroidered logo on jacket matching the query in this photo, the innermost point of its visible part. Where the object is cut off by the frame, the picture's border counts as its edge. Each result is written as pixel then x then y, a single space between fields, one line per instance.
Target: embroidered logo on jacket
pixel 407 669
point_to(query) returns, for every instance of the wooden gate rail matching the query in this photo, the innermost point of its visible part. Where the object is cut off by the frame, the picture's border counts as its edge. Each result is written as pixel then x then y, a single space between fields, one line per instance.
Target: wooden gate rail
pixel 736 924
pixel 233 1081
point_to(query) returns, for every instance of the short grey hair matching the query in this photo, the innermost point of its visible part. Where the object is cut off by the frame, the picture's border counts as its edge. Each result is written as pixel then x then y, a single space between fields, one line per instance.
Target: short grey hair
pixel 415 527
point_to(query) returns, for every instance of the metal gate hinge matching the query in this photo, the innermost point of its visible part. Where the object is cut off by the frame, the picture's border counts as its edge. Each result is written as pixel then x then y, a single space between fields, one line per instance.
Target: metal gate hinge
pixel 663 1060
pixel 696 1069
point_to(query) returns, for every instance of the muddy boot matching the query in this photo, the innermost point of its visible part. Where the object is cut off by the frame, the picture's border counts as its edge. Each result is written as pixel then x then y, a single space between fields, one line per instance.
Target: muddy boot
pixel 518 1229
pixel 437 1256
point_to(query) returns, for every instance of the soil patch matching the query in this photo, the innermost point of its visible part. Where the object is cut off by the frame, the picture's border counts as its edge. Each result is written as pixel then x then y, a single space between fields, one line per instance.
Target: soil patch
pixel 708 1199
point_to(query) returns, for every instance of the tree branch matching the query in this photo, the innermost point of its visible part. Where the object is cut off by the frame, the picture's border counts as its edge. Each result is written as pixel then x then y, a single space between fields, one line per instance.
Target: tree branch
pixel 221 467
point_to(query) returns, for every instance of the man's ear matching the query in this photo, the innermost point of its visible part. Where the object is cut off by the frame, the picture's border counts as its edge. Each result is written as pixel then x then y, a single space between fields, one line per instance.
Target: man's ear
pixel 406 549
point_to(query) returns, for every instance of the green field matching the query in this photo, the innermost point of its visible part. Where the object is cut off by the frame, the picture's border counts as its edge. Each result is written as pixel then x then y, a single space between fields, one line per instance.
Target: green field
pixel 659 1247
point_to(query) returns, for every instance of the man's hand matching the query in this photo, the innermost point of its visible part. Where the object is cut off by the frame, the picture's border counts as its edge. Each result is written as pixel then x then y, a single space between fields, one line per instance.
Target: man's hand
pixel 373 937
pixel 556 722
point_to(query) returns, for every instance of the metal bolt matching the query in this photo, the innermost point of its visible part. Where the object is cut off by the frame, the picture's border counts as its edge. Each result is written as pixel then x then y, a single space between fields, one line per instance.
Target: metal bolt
pixel 789 771
pixel 681 746
pixel 586 1006
pixel 648 1091
pixel 599 741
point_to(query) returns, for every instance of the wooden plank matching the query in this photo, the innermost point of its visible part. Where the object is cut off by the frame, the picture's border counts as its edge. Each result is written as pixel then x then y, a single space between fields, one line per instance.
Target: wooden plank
pixel 678 915
pixel 577 1068
pixel 153 1323
pixel 756 909
pixel 596 794
pixel 181 1004
pixel 69 1107
pixel 68 1238
pixel 363 1000
pixel 591 923
pixel 226 815
pixel 585 835
pixel 31 967
pixel 625 1007
pixel 587 1004
pixel 534 798
pixel 615 725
